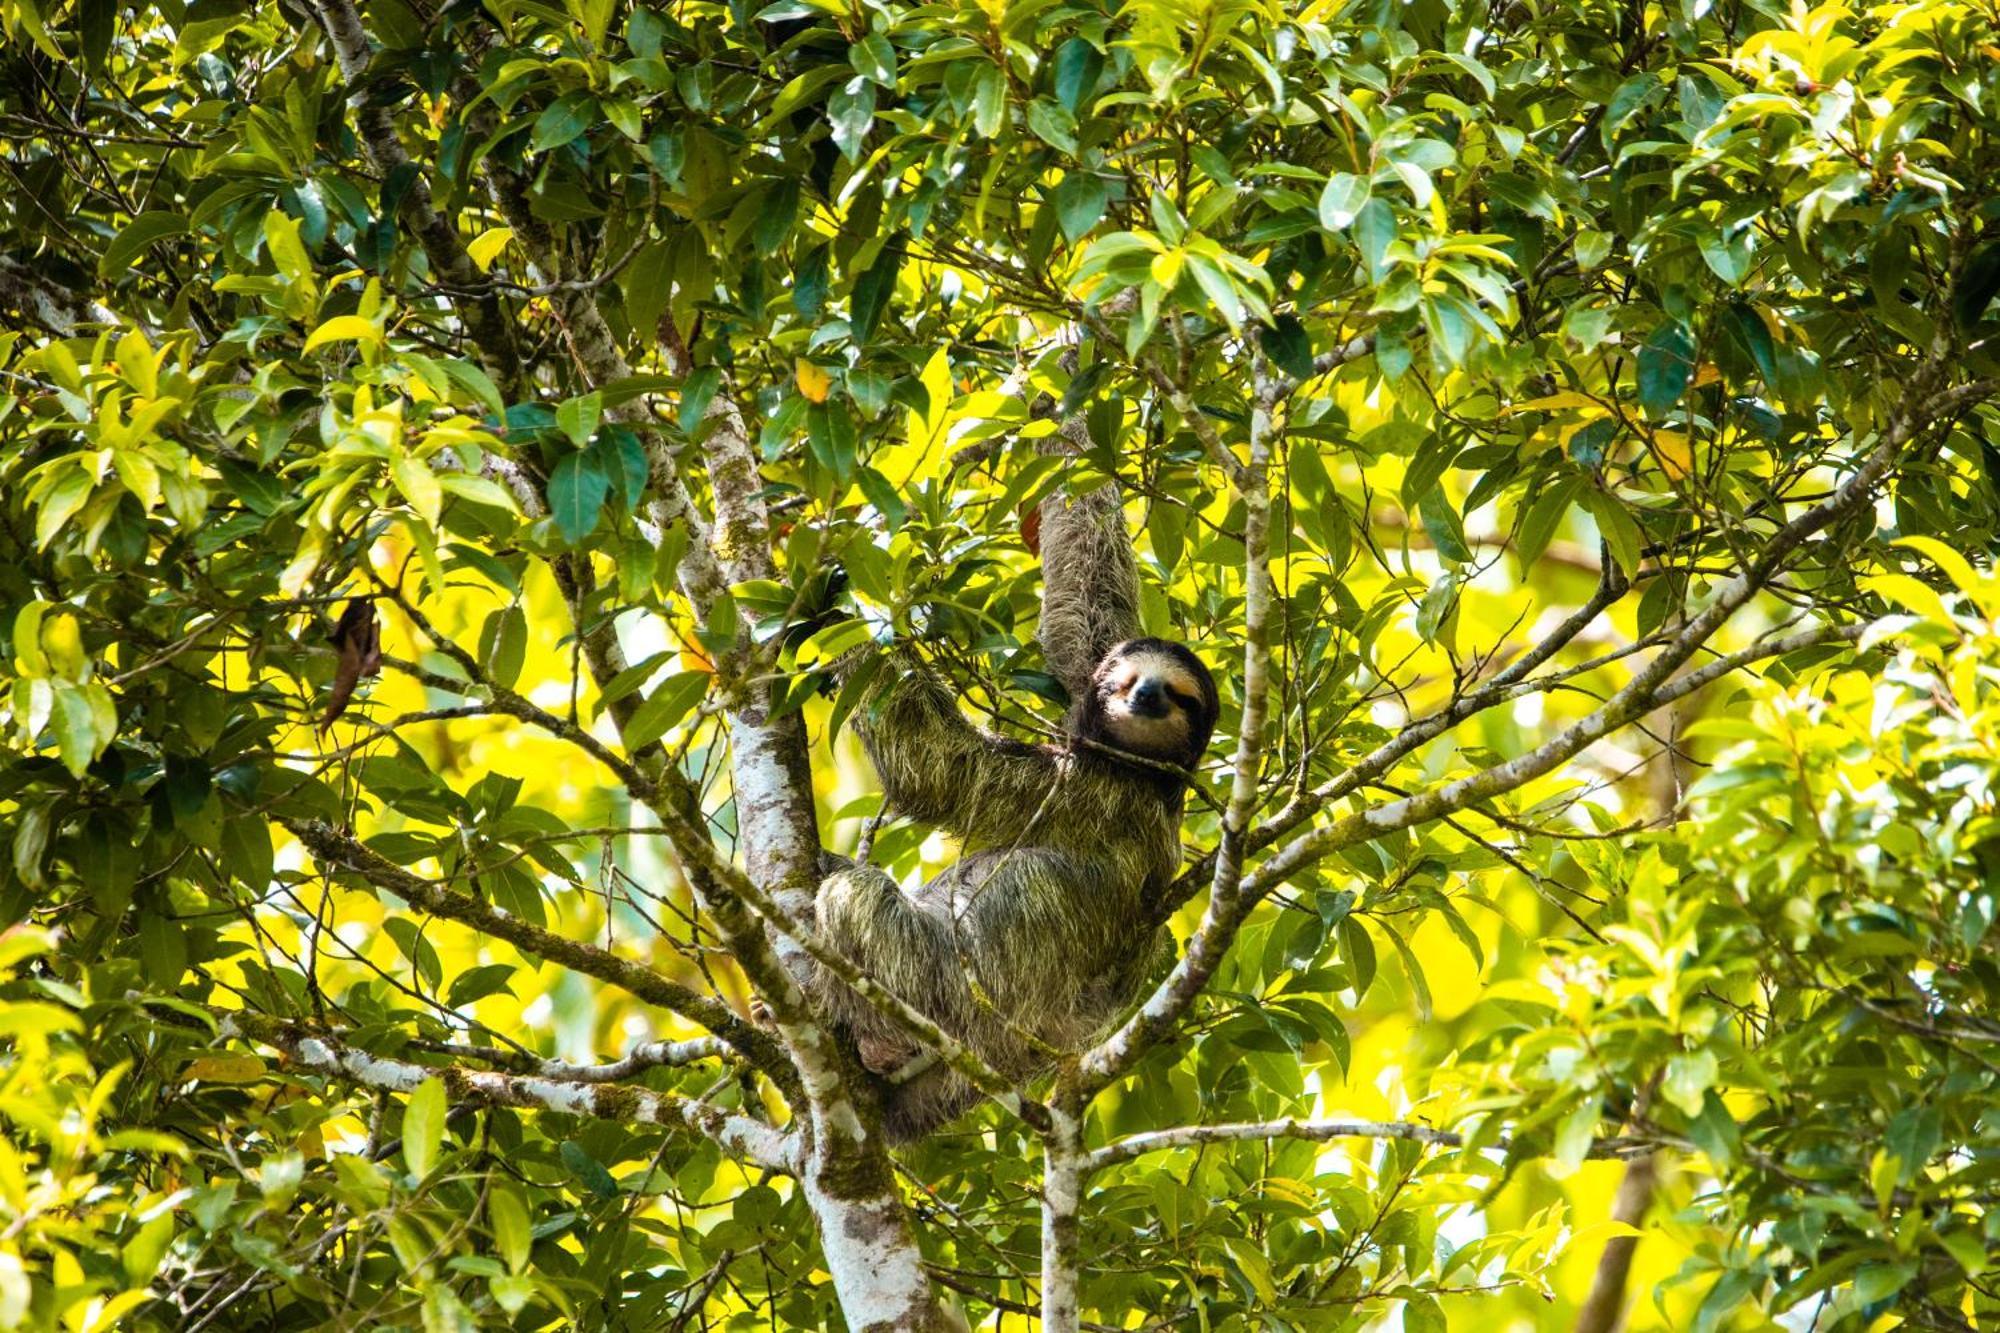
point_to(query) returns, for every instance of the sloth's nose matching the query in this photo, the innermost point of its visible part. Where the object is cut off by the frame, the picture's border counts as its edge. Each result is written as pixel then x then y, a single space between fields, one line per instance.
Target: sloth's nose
pixel 1149 698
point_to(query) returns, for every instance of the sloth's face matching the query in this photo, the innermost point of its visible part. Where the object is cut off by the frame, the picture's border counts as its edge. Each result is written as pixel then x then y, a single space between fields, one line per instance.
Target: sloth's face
pixel 1155 699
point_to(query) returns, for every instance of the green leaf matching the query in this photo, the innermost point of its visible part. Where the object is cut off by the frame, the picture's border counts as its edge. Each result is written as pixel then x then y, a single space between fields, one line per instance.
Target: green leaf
pixel 873 289
pixel 163 949
pixel 647 283
pixel 1374 233
pixel 136 235
pixel 1666 364
pixel 587 1170
pixel 775 219
pixel 1079 201
pixel 418 485
pixel 1289 346
pixel 1618 528
pixel 1422 1314
pixel 476 384
pixel 247 851
pixel 577 488
pixel 989 101
pixel 873 58
pixel 1420 986
pixel 344 328
pixel 1078 66
pixel 75 726
pixel 479 982
pixel 563 120
pixel 423 1127
pixel 1688 1078
pixel 503 644
pixel 1442 525
pixel 671 700
pixel 697 393
pixel 1878 1282
pixel 1358 948
pixel 851 113
pixel 830 431
pixel 60 502
pixel 31 841
pixel 513 1233
pixel 1978 283
pixel 1544 515
pixel 1575 1132
pixel 1053 124
pixel 578 417
pixel 1340 203
pixel 809 282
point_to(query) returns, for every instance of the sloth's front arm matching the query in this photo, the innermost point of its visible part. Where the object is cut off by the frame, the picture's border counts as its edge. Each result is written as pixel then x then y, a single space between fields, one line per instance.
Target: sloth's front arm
pixel 937 768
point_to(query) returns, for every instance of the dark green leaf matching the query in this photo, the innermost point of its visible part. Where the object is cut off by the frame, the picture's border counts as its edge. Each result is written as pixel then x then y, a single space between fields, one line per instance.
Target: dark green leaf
pixel 476 983
pixel 587 1170
pixel 1077 67
pixel 563 120
pixel 1666 364
pixel 873 289
pixel 1079 200
pixel 1289 346
pixel 577 488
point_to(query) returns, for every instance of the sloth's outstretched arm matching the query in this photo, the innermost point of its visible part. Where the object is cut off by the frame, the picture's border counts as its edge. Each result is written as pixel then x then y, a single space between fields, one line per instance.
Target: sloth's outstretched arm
pixel 1090 582
pixel 937 768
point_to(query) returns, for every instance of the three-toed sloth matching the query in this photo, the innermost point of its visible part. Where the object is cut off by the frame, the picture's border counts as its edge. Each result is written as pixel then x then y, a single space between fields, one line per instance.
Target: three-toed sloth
pixel 1042 932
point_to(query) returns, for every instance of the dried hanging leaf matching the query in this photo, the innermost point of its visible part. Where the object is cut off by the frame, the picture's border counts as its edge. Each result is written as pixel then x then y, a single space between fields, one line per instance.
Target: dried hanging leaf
pixel 357 637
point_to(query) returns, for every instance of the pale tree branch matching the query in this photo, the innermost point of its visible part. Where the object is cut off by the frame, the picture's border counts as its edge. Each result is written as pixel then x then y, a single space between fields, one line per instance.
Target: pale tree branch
pixel 1319 1131
pixel 769 762
pixel 1062 1198
pixel 1226 908
pixel 320 1053
pixel 773 774
pixel 644 1056
pixel 337 850
pixel 54 307
pixel 1062 1147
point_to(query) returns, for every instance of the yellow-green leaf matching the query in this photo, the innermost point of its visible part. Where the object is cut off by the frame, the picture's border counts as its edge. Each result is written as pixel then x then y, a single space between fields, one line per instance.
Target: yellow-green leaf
pixel 419 485
pixel 423 1126
pixel 486 247
pixel 345 328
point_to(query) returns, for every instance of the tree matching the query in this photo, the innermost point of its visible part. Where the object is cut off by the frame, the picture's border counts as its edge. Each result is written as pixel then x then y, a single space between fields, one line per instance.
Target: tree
pixel 1486 384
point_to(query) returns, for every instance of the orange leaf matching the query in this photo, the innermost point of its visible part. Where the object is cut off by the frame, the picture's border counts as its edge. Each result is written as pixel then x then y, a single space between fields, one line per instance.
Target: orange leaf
pixel 813 382
pixel 1676 452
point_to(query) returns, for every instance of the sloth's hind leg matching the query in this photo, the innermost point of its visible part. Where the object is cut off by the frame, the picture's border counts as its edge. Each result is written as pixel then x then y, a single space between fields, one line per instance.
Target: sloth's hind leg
pixel 865 915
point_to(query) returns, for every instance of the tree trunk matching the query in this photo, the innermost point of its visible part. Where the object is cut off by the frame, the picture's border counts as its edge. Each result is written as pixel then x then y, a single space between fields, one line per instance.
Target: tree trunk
pixel 878 1271
pixel 1604 1308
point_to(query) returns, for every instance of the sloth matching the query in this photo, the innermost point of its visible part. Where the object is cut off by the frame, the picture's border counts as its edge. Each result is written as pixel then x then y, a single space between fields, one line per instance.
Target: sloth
pixel 1042 932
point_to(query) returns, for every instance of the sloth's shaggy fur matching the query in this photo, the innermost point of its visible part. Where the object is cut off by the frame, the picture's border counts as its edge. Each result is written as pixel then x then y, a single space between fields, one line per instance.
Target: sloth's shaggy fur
pixel 1039 935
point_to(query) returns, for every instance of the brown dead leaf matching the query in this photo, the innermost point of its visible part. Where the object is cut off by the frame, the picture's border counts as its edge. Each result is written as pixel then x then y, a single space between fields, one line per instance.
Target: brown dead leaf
pixel 1031 529
pixel 358 639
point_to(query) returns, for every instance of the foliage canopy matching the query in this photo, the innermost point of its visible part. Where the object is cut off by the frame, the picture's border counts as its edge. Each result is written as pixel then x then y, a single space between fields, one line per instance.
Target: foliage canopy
pixel 1493 387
